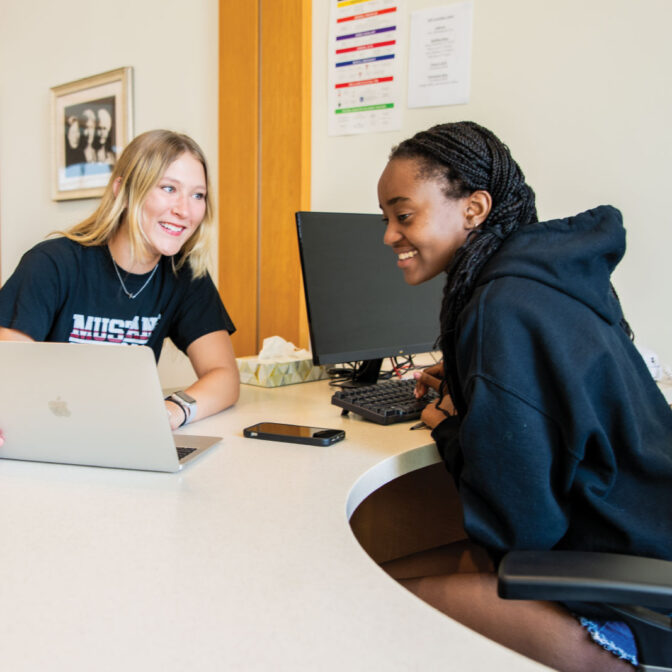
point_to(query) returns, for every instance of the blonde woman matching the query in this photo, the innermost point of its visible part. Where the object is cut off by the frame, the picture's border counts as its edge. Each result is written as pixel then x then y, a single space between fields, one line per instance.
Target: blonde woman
pixel 134 273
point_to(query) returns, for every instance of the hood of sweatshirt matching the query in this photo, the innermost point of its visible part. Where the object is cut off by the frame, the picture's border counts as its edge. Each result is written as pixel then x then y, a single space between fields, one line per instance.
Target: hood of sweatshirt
pixel 575 255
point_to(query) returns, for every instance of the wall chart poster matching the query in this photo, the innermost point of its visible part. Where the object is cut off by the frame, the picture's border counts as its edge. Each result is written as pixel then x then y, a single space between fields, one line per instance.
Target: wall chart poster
pixel 364 66
pixel 439 61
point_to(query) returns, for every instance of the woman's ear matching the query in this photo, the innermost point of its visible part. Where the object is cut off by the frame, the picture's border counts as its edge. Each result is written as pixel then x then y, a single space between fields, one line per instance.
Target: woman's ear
pixel 478 206
pixel 116 185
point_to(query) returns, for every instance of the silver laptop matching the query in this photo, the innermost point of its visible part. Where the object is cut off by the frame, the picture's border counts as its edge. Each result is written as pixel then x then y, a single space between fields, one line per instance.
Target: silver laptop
pixel 95 405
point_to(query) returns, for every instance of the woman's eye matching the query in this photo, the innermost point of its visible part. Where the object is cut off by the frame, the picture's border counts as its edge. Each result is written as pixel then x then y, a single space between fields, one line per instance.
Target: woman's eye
pixel 168 188
pixel 403 217
pixel 199 196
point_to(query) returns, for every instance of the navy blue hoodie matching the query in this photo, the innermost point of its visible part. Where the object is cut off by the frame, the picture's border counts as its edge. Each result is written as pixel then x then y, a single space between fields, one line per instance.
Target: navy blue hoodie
pixel 565 440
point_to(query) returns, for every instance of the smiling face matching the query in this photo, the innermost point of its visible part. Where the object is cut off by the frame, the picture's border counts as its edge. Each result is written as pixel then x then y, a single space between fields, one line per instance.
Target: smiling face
pixel 424 227
pixel 104 126
pixel 74 132
pixel 175 207
pixel 89 126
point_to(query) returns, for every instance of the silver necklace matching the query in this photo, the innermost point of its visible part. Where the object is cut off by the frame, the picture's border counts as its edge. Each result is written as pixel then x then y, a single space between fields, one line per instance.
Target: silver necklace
pixel 121 282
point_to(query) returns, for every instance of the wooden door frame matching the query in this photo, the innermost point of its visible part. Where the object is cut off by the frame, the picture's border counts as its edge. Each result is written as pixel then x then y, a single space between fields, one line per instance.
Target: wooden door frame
pixel 264 165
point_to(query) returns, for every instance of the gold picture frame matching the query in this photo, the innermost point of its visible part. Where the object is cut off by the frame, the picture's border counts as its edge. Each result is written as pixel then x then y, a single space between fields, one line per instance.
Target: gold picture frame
pixel 92 122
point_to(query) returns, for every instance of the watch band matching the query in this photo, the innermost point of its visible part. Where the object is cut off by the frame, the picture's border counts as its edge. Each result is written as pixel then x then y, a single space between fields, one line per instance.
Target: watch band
pixel 186 402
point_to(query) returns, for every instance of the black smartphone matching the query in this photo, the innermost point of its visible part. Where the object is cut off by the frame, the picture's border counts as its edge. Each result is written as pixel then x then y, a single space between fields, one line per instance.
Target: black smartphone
pixel 276 431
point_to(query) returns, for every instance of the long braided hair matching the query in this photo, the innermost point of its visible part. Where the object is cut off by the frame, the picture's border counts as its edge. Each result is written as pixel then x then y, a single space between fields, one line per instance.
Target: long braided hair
pixel 470 158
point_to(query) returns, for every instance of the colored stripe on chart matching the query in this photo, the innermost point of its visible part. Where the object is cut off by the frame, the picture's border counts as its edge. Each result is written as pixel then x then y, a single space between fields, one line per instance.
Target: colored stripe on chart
pixel 377 80
pixel 347 3
pixel 368 15
pixel 361 61
pixel 362 47
pixel 366 108
pixel 366 33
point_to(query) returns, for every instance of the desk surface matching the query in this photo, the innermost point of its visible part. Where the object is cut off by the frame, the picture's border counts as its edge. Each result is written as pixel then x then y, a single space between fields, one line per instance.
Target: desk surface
pixel 243 561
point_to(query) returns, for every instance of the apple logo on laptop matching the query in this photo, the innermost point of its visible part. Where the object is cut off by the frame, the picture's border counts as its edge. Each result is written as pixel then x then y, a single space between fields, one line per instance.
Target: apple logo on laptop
pixel 59 408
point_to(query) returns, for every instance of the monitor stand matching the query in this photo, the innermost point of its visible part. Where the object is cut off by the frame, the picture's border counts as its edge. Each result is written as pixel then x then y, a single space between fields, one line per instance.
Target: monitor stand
pixel 365 374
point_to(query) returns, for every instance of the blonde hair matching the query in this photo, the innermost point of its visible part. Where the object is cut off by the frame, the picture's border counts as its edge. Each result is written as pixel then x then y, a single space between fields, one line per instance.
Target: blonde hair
pixel 138 170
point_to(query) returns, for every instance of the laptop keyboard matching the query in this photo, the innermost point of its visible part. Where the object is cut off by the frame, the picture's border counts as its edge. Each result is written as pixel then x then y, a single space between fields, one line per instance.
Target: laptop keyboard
pixel 385 403
pixel 183 452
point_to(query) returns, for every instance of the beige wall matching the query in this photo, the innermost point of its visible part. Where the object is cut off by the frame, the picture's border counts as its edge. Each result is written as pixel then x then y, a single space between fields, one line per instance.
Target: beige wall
pixel 172 46
pixel 580 91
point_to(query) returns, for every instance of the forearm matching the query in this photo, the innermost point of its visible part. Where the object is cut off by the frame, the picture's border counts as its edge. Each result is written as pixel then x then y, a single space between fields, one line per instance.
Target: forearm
pixel 216 390
pixel 13 335
pixel 218 384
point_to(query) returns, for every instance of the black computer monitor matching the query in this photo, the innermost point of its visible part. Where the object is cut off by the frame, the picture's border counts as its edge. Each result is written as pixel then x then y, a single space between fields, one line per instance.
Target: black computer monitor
pixel 360 309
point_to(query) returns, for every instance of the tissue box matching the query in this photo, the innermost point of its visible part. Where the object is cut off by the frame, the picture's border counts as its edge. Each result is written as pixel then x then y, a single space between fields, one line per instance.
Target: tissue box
pixel 269 373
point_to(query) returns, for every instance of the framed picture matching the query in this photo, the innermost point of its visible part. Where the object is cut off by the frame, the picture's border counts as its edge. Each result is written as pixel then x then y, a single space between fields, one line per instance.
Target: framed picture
pixel 92 123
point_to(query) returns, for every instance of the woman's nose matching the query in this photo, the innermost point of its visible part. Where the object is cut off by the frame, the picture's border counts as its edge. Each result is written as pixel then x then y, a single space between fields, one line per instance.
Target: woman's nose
pixel 391 235
pixel 180 206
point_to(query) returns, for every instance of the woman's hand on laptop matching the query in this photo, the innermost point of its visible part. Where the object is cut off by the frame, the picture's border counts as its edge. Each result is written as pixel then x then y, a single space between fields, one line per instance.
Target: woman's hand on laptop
pixel 175 414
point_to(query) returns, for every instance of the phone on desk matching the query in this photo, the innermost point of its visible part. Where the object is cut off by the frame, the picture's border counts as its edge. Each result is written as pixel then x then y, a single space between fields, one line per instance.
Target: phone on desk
pixel 276 431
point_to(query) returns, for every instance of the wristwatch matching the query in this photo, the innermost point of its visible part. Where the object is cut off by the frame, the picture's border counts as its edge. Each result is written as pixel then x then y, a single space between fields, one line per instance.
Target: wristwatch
pixel 186 403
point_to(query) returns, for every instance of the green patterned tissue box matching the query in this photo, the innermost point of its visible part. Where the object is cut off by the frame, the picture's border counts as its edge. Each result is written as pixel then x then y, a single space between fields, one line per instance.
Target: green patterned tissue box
pixel 276 373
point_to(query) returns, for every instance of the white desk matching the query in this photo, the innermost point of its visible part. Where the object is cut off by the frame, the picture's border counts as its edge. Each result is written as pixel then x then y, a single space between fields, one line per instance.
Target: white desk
pixel 244 561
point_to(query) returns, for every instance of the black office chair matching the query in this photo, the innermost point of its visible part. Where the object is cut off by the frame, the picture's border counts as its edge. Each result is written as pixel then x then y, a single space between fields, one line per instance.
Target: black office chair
pixel 630 586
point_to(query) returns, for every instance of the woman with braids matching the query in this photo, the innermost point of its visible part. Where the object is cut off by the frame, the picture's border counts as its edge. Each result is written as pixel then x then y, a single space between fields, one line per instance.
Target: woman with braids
pixel 553 429
pixel 134 273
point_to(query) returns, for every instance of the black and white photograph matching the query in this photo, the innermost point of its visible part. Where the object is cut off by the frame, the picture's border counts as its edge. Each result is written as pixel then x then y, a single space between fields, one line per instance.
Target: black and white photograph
pixel 92 123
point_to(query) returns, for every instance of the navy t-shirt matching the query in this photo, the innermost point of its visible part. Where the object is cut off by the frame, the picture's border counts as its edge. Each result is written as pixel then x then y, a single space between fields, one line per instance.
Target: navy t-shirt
pixel 66 292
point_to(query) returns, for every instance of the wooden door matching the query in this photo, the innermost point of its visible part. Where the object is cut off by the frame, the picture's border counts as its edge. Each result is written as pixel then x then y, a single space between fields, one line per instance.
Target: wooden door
pixel 264 166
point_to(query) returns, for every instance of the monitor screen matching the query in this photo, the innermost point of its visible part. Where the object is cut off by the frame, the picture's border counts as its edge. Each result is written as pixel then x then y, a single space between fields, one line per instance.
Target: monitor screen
pixel 359 305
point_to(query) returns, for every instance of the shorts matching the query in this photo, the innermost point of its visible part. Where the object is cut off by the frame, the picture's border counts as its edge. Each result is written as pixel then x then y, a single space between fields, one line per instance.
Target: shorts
pixel 614 636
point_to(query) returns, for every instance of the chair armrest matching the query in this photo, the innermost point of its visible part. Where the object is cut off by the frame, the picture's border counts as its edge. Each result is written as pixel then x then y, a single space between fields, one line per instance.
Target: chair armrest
pixel 577 576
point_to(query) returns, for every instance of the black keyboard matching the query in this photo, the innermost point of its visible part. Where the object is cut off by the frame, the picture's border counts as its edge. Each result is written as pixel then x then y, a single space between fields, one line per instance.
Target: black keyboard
pixel 385 403
pixel 183 452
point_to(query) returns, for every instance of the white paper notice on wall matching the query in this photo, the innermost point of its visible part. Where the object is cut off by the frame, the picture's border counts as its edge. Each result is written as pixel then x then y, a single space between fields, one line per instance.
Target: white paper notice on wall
pixel 365 66
pixel 439 63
